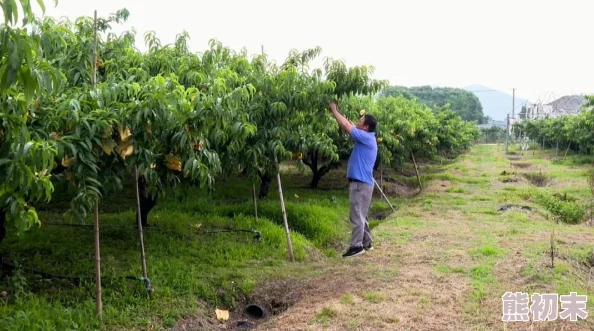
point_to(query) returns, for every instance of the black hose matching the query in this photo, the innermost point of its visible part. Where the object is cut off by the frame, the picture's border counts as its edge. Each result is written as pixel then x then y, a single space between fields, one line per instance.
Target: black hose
pixel 257 234
pixel 75 279
pixel 48 275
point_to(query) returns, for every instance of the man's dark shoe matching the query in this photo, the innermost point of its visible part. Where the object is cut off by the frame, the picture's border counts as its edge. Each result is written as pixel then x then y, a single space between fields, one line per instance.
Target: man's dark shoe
pixel 368 247
pixel 353 251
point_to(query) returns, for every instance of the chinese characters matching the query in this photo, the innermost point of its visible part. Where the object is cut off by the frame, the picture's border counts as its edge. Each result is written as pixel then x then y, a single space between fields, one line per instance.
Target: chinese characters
pixel 544 307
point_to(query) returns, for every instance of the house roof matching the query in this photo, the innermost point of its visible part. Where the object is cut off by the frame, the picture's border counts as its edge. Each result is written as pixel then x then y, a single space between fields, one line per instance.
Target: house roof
pixel 568 103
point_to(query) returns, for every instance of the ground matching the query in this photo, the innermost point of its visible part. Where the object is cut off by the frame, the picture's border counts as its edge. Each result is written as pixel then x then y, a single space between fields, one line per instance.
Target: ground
pixel 484 225
pixel 445 258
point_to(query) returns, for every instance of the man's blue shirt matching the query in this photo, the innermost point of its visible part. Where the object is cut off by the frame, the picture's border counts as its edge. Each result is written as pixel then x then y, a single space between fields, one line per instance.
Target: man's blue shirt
pixel 362 158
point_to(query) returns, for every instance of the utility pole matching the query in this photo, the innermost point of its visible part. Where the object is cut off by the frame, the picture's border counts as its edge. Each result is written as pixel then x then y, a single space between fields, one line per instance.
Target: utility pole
pixel 507 134
pixel 513 117
pixel 514 103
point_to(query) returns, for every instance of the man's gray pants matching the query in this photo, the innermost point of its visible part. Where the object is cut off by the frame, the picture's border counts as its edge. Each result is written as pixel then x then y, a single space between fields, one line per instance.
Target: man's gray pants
pixel 360 198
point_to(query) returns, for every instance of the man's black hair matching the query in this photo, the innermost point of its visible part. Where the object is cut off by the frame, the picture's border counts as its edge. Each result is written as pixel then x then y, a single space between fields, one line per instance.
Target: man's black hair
pixel 371 122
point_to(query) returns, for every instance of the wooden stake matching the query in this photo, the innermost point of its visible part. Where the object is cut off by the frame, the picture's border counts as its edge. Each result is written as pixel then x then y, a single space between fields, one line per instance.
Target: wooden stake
pixel 284 212
pixel 98 299
pixel 589 278
pixel 255 198
pixel 552 250
pixel 416 170
pixel 138 219
pixel 384 195
pixel 94 76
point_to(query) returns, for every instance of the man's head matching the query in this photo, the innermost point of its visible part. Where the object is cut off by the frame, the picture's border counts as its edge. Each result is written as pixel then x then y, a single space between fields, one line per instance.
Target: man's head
pixel 367 123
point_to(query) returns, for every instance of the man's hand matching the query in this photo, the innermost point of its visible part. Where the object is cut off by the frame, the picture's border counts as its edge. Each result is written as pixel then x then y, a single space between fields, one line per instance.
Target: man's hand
pixel 345 124
pixel 333 106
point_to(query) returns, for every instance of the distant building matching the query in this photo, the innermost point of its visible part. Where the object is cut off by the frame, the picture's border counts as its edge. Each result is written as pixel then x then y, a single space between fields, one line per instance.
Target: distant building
pixel 567 105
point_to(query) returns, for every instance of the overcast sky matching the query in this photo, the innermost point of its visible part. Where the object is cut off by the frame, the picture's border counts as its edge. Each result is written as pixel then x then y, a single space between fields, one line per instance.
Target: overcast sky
pixel 540 47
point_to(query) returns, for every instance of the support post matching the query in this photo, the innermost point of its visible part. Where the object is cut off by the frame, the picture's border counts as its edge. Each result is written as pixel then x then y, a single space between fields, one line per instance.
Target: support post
pixel 384 195
pixel 140 234
pixel 255 199
pixel 284 211
pixel 98 299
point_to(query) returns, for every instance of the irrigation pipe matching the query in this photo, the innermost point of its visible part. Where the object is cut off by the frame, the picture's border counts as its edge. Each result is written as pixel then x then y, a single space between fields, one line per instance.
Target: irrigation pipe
pixel 76 279
pixel 257 234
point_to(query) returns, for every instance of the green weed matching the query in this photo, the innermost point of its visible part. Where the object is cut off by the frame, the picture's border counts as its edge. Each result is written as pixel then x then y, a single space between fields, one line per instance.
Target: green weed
pixel 325 315
pixel 566 211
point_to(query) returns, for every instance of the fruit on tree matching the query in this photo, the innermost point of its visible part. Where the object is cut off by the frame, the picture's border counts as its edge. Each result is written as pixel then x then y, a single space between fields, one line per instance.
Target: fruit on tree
pixel 172 162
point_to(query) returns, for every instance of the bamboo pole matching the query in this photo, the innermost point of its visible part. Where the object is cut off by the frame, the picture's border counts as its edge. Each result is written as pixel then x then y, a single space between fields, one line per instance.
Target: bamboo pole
pixel 553 249
pixel 94 64
pixel 384 195
pixel 284 211
pixel 138 219
pixel 416 170
pixel 98 299
pixel 255 199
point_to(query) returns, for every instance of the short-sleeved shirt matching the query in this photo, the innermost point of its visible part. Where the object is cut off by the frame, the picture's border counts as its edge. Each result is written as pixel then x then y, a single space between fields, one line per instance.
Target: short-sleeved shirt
pixel 362 159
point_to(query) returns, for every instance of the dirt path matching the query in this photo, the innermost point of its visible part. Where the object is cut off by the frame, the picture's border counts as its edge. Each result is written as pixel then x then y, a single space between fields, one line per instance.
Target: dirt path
pixel 395 286
pixel 442 261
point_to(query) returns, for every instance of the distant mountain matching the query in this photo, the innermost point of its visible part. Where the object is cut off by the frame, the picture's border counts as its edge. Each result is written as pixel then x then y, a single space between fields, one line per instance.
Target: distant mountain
pixel 496 104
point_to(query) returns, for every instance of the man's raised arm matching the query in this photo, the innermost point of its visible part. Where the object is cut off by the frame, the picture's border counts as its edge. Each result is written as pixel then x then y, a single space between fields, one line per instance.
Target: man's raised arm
pixel 344 123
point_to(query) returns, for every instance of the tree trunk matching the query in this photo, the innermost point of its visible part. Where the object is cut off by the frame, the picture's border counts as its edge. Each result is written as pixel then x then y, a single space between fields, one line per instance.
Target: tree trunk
pixel 147 202
pixel 264 185
pixel 318 174
pixel 312 162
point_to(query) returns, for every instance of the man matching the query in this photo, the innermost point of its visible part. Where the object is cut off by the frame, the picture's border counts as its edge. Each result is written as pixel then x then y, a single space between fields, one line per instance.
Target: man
pixel 360 176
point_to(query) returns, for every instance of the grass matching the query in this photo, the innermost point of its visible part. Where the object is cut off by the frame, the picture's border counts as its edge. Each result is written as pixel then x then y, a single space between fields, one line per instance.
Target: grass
pixel 488 250
pixel 325 315
pixel 374 297
pixel 184 262
pixel 453 189
pixel 181 265
pixel 347 299
pixel 566 211
pixel 442 268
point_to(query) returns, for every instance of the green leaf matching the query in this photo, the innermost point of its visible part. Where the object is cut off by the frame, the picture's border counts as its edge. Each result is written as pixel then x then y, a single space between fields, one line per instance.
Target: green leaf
pixel 42 5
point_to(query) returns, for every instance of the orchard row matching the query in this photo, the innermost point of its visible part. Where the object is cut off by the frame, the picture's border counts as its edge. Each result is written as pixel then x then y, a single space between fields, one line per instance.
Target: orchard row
pixel 91 114
pixel 564 132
